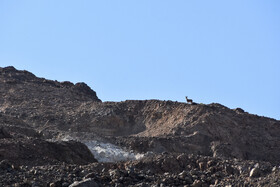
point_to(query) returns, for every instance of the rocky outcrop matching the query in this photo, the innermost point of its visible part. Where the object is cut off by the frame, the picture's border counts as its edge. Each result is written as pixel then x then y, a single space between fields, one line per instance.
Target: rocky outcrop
pixel 20 144
pixel 23 83
pixel 34 152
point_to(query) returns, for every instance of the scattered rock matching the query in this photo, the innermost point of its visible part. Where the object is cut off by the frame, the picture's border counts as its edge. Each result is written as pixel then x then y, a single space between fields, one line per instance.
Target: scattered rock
pixel 202 166
pixel 5 165
pixel 90 175
pixel 197 183
pixel 85 183
pixel 230 170
pixel 183 174
pixel 255 172
pixel 114 173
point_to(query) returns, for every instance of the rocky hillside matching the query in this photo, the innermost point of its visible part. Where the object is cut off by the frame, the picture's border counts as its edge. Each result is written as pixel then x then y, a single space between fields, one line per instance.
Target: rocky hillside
pixel 25 96
pixel 36 114
pixel 159 125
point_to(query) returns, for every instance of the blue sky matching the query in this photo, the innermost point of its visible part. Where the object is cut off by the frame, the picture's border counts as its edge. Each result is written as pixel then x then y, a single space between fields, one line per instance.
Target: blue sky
pixel 212 51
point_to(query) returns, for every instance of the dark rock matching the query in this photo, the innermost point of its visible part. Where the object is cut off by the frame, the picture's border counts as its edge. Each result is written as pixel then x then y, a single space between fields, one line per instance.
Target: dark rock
pixel 229 170
pixel 4 133
pixel 239 110
pixel 255 172
pixel 36 152
pixel 84 88
pixel 5 165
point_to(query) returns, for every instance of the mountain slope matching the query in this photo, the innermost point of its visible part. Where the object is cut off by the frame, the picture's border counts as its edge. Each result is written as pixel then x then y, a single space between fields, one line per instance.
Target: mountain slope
pixel 56 108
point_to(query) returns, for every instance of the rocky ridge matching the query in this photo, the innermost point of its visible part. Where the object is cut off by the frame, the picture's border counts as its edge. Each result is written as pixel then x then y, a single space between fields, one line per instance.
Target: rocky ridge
pixel 36 114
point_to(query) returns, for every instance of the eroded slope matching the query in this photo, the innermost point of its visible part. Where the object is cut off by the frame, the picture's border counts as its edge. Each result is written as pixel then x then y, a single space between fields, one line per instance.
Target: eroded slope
pixel 53 108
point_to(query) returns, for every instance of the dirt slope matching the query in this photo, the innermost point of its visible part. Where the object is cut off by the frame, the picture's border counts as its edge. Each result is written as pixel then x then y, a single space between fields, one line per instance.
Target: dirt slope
pixel 62 107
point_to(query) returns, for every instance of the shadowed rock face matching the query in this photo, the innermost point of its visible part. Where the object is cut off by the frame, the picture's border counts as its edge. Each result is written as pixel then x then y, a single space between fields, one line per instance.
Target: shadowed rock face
pixel 18 86
pixel 54 108
pixel 34 152
pixel 21 144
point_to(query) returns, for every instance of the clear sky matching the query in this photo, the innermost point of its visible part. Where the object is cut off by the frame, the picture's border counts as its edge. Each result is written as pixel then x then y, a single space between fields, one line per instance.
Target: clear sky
pixel 212 51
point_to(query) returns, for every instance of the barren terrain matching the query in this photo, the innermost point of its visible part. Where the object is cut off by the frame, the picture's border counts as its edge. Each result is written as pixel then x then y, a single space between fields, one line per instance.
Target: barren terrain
pixel 55 133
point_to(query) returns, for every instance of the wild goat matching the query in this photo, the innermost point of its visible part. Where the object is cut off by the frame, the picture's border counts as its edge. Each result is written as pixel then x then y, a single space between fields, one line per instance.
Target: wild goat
pixel 189 101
